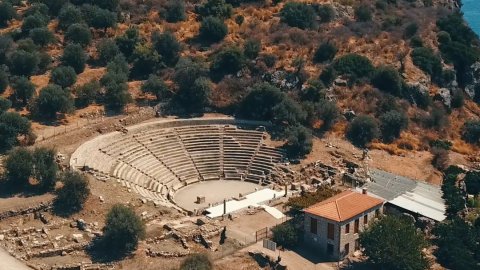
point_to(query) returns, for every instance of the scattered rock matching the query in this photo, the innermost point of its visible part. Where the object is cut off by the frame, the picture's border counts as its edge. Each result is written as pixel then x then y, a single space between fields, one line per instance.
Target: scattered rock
pixel 101 199
pixel 2 237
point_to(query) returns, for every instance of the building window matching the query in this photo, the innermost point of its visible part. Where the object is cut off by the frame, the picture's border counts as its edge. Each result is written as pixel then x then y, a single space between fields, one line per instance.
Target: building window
pixel 365 219
pixel 329 249
pixel 330 231
pixel 347 228
pixel 357 245
pixel 313 225
pixel 347 249
pixel 377 213
pixel 355 228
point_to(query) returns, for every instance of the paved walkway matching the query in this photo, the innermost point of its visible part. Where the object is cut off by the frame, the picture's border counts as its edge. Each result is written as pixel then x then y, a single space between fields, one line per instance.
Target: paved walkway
pixel 8 262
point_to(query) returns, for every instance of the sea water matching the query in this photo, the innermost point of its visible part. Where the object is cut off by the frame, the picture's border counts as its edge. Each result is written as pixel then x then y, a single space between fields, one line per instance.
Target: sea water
pixel 471 11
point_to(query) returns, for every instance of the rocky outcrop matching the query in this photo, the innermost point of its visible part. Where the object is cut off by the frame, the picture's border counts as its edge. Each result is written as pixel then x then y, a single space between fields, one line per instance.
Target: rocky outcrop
pixel 474 76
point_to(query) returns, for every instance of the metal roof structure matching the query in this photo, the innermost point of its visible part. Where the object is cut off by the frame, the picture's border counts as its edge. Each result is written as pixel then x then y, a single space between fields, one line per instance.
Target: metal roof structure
pixel 415 196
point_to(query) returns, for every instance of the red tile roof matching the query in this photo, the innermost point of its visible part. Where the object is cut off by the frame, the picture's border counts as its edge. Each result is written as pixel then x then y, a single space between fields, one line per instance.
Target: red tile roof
pixel 343 206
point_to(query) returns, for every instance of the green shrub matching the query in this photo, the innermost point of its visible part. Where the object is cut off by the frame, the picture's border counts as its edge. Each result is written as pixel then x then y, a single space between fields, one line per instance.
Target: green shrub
pixel 196 98
pixel 326 13
pixel 328 75
pixel 387 79
pixel 23 89
pixel 12 125
pixel 128 41
pixel 145 61
pixel 52 100
pixel 99 18
pixel 299 142
pixel 416 42
pixel 228 61
pixel 252 48
pixel 213 29
pixel 156 86
pixel 5 104
pixel 64 76
pixel 74 56
pixel 41 36
pixel 87 93
pixel 471 132
pixel 3 80
pixel 355 66
pixel 285 235
pixel 175 11
pixel 325 52
pixel 363 13
pixel 73 195
pixel 32 22
pixel 362 130
pixel 214 8
pixel 391 124
pixel 78 33
pixel 298 15
pixel 23 63
pixel 123 229
pixel 167 45
pixel 107 49
pixel 411 29
pixel 426 60
pixel 239 19
pixel 197 262
pixel 18 167
pixel 69 14
pixel 7 13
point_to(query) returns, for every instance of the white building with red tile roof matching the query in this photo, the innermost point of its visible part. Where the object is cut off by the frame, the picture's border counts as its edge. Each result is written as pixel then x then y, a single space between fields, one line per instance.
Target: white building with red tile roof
pixel 333 225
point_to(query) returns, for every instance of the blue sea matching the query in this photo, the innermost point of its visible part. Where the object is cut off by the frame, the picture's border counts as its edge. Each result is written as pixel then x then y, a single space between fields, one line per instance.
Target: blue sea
pixel 471 10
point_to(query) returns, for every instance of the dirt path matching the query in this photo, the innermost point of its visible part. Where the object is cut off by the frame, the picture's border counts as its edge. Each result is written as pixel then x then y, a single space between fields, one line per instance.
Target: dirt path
pixel 7 262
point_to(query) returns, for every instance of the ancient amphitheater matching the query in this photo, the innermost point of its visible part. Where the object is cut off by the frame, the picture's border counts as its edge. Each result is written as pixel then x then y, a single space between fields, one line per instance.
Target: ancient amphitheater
pixel 161 158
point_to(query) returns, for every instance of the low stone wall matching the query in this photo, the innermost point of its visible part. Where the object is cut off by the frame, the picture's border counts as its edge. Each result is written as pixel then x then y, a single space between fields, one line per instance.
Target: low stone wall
pixel 32 209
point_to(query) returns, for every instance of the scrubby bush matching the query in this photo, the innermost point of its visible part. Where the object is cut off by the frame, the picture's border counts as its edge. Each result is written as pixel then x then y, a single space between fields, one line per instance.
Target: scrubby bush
pixel 426 60
pixel 297 14
pixel 362 130
pixel 239 19
pixel 197 97
pixel 213 29
pixel 354 66
pixel 187 71
pixel 128 41
pixel 117 95
pixel 69 14
pixel 54 6
pixel 328 75
pixel 78 33
pixel 41 36
pixel 5 104
pixel 363 13
pixel 87 93
pixel 33 21
pixel 145 61
pixel 472 182
pixel 391 124
pixel 156 86
pixel 326 13
pixel 23 89
pixel 471 132
pixel 3 80
pixel 214 8
pixel 175 11
pixel 123 229
pixel 74 193
pixel 64 76
pixel 107 49
pixel 252 48
pixel 285 235
pixel 52 100
pixel 416 42
pixel 74 56
pixel 228 61
pixel 23 63
pixel 388 80
pixel 325 52
pixel 440 158
pixel 167 45
pixel 411 29
pixel 7 13
pixel 197 262
pixel 99 18
pixel 299 142
pixel 327 112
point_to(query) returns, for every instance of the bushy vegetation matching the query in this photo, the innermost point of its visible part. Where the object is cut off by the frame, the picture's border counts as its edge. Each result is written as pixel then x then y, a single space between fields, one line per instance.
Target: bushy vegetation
pixel 214 8
pixel 24 165
pixel 392 123
pixel 13 128
pixel 156 86
pixel 363 13
pixel 297 14
pixel 52 100
pixel 356 67
pixel 299 142
pixel 325 52
pixel 471 131
pixel 362 130
pixel 197 262
pixel 388 79
pixel 175 11
pixel 427 61
pixel 228 61
pixel 213 29
pixel 394 243
pixel 286 235
pixel 74 193
pixel 123 229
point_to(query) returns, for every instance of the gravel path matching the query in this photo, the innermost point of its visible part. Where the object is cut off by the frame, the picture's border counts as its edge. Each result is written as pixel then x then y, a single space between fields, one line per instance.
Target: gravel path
pixel 8 262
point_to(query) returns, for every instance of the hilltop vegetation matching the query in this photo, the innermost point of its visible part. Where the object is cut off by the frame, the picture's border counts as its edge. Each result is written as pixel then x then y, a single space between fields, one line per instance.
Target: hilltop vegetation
pixel 377 72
